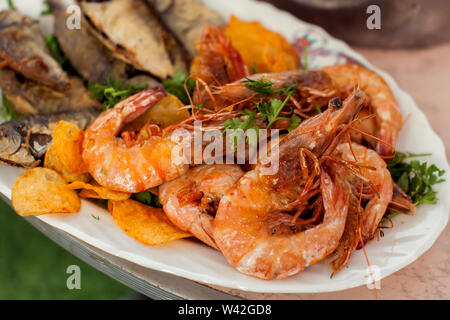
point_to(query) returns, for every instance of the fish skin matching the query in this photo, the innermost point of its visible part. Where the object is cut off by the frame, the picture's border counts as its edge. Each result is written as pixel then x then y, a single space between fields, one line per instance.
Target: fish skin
pixel 29 97
pixel 23 48
pixel 84 50
pixel 187 19
pixel 134 32
pixel 24 141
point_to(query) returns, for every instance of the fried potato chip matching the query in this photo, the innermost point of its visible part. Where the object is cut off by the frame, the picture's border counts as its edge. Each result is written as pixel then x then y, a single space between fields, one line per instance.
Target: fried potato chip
pixel 168 111
pixel 53 162
pixel 96 191
pixel 266 50
pixel 146 224
pixel 40 191
pixel 67 143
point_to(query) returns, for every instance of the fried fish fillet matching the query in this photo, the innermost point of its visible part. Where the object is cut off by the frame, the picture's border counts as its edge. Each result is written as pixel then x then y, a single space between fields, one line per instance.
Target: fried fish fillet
pixel 134 32
pixel 23 48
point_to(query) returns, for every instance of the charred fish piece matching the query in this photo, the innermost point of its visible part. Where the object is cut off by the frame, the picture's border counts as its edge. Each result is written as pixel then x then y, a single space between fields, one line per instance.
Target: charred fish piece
pixel 24 141
pixel 134 32
pixel 23 48
pixel 29 97
pixel 187 19
pixel 86 53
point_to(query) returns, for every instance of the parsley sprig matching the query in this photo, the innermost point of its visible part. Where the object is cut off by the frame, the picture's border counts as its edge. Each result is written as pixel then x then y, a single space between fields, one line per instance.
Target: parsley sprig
pixel 294 122
pixel 57 53
pixel 47 9
pixel 113 91
pixel 415 178
pixel 147 198
pixel 264 87
pixel 175 86
pixel 236 128
pixel 55 50
pixel 261 86
pixel 271 110
pixel 7 111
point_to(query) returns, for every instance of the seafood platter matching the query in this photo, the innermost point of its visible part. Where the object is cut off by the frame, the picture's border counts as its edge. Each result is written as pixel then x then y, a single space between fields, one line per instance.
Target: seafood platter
pixel 226 142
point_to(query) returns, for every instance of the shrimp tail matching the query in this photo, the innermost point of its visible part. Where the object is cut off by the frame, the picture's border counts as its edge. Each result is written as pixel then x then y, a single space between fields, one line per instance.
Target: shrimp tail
pixel 385 147
pixel 218 62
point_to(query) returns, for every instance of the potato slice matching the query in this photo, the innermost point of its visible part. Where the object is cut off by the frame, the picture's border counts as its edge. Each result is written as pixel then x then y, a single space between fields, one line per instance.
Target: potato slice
pixel 40 191
pixel 95 191
pixel 261 48
pixel 67 143
pixel 52 161
pixel 146 224
pixel 168 111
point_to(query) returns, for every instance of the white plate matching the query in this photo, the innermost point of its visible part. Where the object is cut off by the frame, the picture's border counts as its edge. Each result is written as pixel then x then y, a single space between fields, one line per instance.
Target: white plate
pixel 410 238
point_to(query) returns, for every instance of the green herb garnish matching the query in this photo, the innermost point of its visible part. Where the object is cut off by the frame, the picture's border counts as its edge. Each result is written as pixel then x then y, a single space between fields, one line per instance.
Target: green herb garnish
pixel 7 111
pixel 271 110
pixel 317 107
pixel 11 5
pixel 287 91
pixel 254 68
pixel 294 122
pixel 261 86
pixel 147 198
pixel 415 178
pixel 55 50
pixel 264 87
pixel 236 128
pixel 175 86
pixel 47 9
pixel 95 217
pixel 114 91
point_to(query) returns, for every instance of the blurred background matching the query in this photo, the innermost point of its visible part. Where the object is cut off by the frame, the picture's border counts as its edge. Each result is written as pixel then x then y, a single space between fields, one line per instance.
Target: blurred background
pixel 412 46
pixel 34 267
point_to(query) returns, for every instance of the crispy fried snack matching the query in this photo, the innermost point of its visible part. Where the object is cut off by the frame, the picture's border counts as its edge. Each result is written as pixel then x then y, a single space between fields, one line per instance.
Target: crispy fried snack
pixel 146 224
pixel 95 191
pixel 40 191
pixel 67 143
pixel 52 161
pixel 265 50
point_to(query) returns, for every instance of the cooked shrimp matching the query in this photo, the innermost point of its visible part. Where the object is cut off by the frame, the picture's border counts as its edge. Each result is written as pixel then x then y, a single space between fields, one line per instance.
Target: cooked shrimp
pixel 253 228
pixel 316 82
pixel 217 63
pixel 191 200
pixel 382 101
pixel 380 188
pixel 374 186
pixel 125 163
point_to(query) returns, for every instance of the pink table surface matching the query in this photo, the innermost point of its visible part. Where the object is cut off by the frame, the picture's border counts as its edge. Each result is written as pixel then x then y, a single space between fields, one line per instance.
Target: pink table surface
pixel 425 74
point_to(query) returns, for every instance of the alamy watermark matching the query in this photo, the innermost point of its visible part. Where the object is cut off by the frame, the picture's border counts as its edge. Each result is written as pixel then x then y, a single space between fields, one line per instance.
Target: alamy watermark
pixel 213 146
pixel 374 20
pixel 74 280
pixel 73 22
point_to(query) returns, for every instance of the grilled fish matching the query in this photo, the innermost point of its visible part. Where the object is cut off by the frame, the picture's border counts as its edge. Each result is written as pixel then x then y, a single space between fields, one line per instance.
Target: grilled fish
pixel 23 142
pixel 86 53
pixel 136 35
pixel 29 97
pixel 23 48
pixel 186 19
